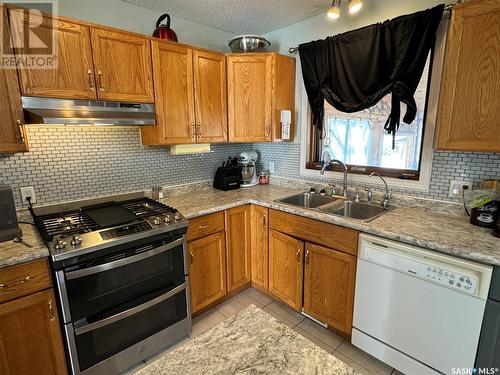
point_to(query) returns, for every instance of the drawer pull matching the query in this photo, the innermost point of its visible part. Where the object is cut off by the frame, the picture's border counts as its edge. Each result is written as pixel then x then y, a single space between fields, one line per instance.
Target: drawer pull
pixel 52 316
pixel 205 226
pixel 17 283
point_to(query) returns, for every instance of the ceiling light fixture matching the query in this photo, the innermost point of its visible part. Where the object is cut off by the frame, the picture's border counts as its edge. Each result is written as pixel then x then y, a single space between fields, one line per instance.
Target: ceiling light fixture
pixel 334 11
pixel 355 6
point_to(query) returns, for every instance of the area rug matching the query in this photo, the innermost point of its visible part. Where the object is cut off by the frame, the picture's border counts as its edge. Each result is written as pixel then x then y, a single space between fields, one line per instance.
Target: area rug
pixel 250 342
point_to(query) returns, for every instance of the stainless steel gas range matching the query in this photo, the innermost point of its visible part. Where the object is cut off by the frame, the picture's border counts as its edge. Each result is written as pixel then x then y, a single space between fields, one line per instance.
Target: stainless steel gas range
pixel 122 278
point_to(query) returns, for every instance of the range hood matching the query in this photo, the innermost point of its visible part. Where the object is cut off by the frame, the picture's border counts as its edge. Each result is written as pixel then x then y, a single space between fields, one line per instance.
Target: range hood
pixel 86 112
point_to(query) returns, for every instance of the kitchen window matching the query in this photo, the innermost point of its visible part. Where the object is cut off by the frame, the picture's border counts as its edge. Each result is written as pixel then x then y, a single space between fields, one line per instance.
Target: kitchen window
pixel 359 140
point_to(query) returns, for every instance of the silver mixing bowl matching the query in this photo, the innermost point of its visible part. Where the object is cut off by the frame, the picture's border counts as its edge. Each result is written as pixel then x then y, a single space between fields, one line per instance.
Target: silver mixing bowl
pixel 249 43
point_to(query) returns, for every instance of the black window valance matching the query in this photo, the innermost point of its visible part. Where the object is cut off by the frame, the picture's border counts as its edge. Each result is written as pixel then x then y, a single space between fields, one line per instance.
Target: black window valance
pixel 355 70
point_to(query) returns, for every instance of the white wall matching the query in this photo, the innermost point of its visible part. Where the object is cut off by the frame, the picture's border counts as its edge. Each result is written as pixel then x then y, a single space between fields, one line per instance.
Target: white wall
pixel 319 27
pixel 126 16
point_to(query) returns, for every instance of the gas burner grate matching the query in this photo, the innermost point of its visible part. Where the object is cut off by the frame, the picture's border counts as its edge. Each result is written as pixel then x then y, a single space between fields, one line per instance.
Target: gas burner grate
pixel 64 224
pixel 145 207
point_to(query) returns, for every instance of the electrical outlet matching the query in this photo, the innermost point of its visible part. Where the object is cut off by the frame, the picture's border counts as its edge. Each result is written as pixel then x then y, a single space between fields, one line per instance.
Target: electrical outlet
pixel 28 191
pixel 271 166
pixel 457 187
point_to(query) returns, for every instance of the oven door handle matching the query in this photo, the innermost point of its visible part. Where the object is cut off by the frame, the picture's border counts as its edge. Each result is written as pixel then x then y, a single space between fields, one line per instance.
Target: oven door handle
pixel 122 262
pixel 125 314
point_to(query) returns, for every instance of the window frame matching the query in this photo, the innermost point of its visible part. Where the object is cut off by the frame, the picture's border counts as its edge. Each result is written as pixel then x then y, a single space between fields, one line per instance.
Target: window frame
pixel 309 169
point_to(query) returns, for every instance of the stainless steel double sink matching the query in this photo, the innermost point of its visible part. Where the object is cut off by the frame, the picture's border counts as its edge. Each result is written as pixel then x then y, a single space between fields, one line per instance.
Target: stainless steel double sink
pixel 336 206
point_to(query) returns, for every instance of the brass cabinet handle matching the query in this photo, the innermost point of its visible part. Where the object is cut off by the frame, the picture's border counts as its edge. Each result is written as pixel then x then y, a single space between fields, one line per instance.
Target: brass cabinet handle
pixel 52 315
pixel 91 80
pixel 101 84
pixel 192 257
pixel 193 130
pixel 264 221
pixel 203 226
pixel 298 255
pixel 16 283
pixel 268 130
pixel 20 131
pixel 307 257
pixel 198 126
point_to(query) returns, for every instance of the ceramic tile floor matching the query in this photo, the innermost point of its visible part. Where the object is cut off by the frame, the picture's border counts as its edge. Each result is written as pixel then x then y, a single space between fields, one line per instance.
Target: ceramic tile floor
pixel 324 338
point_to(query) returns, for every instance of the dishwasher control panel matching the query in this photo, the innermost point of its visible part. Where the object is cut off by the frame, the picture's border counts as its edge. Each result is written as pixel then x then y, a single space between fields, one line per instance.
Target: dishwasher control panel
pixel 465 283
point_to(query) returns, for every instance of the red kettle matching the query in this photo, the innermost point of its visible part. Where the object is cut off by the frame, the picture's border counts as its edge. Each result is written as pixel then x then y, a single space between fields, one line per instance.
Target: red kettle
pixel 164 31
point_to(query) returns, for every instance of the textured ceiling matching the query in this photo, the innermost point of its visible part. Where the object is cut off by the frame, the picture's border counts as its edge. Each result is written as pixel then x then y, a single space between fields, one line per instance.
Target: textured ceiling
pixel 239 16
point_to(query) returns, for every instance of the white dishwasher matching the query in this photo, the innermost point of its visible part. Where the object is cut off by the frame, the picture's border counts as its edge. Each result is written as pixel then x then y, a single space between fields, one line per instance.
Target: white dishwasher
pixel 417 310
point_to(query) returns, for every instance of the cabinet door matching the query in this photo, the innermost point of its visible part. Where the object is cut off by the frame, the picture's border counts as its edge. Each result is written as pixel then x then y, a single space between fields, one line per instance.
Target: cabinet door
pixel 470 95
pixel 238 247
pixel 249 82
pixel 73 76
pixel 173 76
pixel 207 270
pixel 122 64
pixel 30 336
pixel 210 96
pixel 260 246
pixel 329 286
pixel 12 132
pixel 286 268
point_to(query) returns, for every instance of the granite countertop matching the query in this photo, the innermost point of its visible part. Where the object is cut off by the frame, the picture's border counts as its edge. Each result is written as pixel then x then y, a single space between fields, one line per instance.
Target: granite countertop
pixel 450 234
pixel 446 233
pixel 12 253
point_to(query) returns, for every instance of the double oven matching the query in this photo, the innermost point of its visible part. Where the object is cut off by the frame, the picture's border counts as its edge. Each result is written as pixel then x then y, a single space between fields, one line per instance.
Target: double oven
pixel 124 303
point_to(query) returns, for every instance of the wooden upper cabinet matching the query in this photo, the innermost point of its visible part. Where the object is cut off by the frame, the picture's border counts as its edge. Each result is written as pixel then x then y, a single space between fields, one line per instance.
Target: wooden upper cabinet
pixel 207 270
pixel 73 75
pixel 12 132
pixel 122 64
pixel 259 87
pixel 238 247
pixel 259 246
pixel 174 104
pixel 210 96
pixel 30 336
pixel 329 281
pixel 249 97
pixel 469 117
pixel 286 268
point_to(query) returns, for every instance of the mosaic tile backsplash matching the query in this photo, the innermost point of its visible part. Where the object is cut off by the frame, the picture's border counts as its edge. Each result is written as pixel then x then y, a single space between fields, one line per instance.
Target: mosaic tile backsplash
pixel 68 163
pixel 446 166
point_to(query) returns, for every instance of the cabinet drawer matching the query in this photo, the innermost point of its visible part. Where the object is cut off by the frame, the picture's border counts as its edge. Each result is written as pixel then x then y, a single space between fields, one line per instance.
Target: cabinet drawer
pixel 23 279
pixel 318 232
pixel 205 225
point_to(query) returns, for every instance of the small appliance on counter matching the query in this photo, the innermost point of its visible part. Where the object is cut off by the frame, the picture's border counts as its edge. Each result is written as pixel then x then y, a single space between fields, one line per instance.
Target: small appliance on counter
pixel 248 170
pixel 9 227
pixel 228 176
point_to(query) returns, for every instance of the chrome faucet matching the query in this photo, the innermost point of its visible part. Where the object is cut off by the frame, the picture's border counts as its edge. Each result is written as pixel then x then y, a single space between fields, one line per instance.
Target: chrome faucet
pixel 336 161
pixel 387 195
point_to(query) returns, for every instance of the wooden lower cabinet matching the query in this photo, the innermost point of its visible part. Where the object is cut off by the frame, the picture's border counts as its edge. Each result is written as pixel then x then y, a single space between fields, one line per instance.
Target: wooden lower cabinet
pixel 207 270
pixel 30 336
pixel 286 268
pixel 259 246
pixel 329 279
pixel 238 247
